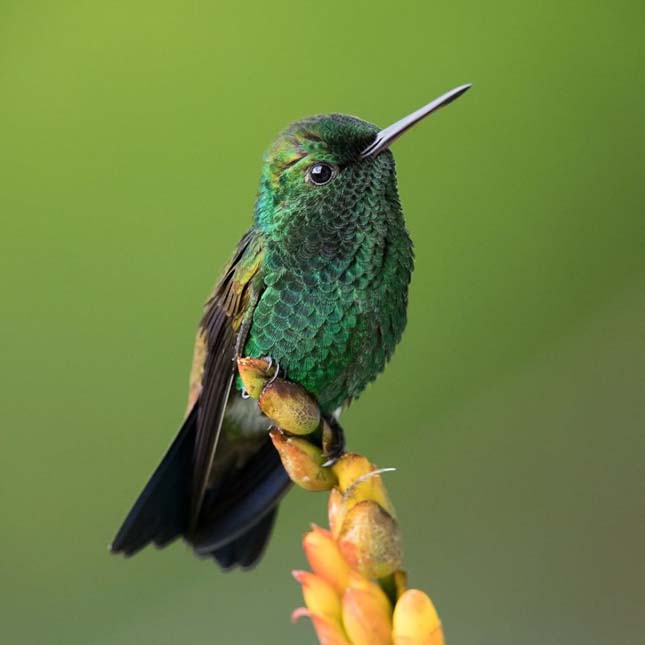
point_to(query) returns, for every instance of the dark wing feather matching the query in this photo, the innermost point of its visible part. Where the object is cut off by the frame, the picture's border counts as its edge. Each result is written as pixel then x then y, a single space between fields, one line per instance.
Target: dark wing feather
pixel 234 297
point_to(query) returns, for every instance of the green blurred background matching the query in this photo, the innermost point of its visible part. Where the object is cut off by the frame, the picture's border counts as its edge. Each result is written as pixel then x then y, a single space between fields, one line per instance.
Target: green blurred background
pixel 130 143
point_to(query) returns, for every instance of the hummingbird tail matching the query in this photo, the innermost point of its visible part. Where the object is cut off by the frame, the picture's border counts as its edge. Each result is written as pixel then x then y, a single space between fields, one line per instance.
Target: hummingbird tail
pixel 160 514
pixel 236 518
pixel 246 550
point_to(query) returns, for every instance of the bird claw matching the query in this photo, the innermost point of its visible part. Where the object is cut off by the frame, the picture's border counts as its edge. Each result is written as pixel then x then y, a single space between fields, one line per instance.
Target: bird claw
pixel 270 361
pixel 333 441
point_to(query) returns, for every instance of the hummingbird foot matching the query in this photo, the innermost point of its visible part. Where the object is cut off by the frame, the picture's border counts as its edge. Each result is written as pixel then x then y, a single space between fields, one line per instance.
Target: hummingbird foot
pixel 333 441
pixel 270 361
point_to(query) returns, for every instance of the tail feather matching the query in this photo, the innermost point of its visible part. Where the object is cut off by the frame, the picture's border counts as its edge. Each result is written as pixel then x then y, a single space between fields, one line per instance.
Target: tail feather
pixel 160 513
pixel 239 507
pixel 236 519
pixel 246 550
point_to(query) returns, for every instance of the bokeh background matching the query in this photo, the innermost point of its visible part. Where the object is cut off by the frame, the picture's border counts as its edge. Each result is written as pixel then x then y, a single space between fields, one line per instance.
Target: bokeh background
pixel 131 136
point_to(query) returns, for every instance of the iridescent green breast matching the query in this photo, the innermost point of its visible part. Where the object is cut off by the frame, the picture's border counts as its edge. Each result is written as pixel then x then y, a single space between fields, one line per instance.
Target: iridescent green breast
pixel 334 304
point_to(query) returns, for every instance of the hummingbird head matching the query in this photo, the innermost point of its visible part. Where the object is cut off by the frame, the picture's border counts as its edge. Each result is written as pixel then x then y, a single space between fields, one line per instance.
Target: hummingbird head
pixel 326 178
pixel 312 168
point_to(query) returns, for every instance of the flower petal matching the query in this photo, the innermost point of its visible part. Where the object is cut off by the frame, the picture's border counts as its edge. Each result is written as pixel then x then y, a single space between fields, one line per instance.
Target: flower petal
pixel 325 558
pixel 416 621
pixel 329 632
pixel 298 613
pixel 365 621
pixel 379 597
pixel 320 597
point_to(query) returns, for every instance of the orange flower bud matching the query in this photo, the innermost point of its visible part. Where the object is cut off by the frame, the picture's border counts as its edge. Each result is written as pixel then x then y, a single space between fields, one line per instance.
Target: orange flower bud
pixel 320 597
pixel 329 632
pixel 255 374
pixel 325 558
pixel 415 620
pixel 365 621
pixel 303 462
pixel 370 540
pixel 290 407
pixel 379 597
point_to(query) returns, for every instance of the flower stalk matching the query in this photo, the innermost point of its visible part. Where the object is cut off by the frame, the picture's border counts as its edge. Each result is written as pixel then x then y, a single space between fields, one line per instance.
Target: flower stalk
pixel 356 592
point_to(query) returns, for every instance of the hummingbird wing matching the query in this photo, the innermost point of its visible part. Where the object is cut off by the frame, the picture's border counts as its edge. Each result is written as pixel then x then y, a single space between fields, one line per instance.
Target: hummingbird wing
pixel 223 329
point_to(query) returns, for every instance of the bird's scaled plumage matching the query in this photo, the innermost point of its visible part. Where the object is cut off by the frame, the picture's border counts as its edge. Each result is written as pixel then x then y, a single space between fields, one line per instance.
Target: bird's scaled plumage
pixel 337 260
pixel 319 283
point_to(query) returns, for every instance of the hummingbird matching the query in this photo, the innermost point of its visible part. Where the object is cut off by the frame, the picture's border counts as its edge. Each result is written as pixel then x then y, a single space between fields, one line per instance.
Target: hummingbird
pixel 319 286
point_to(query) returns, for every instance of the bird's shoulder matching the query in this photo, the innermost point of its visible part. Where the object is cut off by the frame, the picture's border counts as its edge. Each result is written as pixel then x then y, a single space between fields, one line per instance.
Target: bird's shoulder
pixel 228 303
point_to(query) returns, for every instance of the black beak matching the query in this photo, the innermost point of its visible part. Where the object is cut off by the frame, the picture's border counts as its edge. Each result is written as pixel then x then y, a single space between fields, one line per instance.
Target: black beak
pixel 387 136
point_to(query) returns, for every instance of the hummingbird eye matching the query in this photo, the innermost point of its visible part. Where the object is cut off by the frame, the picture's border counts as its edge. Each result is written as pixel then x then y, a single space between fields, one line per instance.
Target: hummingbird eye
pixel 320 174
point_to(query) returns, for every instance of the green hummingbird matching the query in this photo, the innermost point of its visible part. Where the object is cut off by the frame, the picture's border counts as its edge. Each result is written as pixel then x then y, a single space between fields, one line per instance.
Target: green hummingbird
pixel 319 284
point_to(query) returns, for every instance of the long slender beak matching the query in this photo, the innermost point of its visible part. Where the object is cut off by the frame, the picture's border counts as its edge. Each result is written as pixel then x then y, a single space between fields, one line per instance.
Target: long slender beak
pixel 387 136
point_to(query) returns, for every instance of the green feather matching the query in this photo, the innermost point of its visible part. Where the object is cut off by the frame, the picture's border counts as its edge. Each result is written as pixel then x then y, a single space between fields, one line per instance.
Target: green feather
pixel 337 260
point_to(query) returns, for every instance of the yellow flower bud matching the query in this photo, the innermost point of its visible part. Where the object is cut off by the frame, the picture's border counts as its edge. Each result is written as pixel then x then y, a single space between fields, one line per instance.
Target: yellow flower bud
pixel 360 480
pixel 343 601
pixel 303 462
pixel 370 540
pixel 415 620
pixel 255 374
pixel 325 558
pixel 290 407
pixel 349 468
